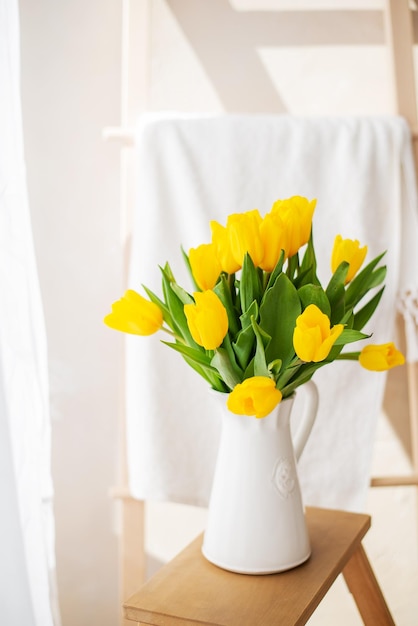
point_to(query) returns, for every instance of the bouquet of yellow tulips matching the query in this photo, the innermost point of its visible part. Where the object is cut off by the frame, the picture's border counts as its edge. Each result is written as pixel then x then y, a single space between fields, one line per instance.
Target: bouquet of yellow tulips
pixel 259 323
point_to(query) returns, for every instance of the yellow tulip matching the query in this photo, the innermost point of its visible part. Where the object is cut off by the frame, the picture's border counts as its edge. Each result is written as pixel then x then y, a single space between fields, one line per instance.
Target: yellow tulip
pixel 296 213
pixel 254 396
pixel 348 250
pixel 207 319
pixel 244 236
pixel 313 336
pixel 379 358
pixel 205 265
pixel 135 315
pixel 274 239
pixel 223 249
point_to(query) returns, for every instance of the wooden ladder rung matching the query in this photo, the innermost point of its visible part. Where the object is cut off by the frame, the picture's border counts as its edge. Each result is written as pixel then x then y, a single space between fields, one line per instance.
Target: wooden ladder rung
pixel 395 481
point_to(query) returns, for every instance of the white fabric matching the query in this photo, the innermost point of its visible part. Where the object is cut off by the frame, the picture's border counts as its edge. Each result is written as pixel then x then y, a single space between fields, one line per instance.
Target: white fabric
pixel 26 523
pixel 193 170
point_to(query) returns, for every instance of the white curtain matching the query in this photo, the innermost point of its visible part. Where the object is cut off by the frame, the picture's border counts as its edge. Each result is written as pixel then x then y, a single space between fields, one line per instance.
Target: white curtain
pixel 27 595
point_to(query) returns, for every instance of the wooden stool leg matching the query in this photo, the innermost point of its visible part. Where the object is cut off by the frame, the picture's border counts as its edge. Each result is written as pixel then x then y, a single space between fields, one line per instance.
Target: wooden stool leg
pixel 367 594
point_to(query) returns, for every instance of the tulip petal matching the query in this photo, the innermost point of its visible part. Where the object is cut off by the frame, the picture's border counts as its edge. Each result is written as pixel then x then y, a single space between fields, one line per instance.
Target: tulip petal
pixel 254 396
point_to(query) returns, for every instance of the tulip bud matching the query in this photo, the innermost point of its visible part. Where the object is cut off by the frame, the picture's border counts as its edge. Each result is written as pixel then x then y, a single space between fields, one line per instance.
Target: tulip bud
pixel 348 250
pixel 254 396
pixel 296 214
pixel 207 319
pixel 244 236
pixel 223 249
pixel 274 239
pixel 205 265
pixel 379 358
pixel 135 315
pixel 313 336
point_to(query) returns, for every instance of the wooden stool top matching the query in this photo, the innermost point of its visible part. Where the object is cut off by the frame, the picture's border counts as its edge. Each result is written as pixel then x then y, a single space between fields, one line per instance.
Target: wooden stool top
pixel 190 590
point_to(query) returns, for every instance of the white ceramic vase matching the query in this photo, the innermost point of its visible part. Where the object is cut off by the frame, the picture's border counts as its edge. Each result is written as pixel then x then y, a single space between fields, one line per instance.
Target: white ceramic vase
pixel 256 522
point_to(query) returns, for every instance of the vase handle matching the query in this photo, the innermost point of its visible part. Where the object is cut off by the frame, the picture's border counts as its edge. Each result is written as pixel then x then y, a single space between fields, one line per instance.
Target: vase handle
pixel 308 417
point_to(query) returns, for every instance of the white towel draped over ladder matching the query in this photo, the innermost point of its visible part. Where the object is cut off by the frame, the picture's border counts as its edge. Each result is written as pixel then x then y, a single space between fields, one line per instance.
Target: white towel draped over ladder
pixel 195 169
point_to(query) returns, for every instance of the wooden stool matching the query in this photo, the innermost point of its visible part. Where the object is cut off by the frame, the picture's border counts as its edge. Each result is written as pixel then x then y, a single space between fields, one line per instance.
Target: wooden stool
pixel 190 590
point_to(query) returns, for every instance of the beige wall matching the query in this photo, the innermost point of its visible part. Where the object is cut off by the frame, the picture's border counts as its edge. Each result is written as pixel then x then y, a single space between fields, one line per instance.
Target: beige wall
pixel 70 90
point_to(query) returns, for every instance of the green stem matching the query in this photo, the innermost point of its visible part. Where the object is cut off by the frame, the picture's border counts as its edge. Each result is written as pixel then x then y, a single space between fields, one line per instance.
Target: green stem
pixel 289 372
pixel 232 289
pixel 292 265
pixel 348 356
pixel 173 334
pixel 266 278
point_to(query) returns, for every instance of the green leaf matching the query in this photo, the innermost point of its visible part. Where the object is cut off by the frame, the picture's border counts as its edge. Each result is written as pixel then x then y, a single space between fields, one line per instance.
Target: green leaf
pixel 314 294
pixel 305 373
pixel 349 335
pixel 276 272
pixel 375 279
pixel 249 371
pixel 168 273
pixel 211 376
pixel 244 346
pixel 364 281
pixel 250 287
pixel 288 374
pixel 197 361
pixel 252 311
pixel 166 312
pixel 227 345
pixel 176 307
pixel 347 319
pixel 278 312
pixel 196 355
pixel 263 340
pixel 307 272
pixel 362 317
pixel 221 362
pixel 185 297
pixel 223 291
pixel 336 292
pixel 303 278
pixel 189 267
pixel 274 367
